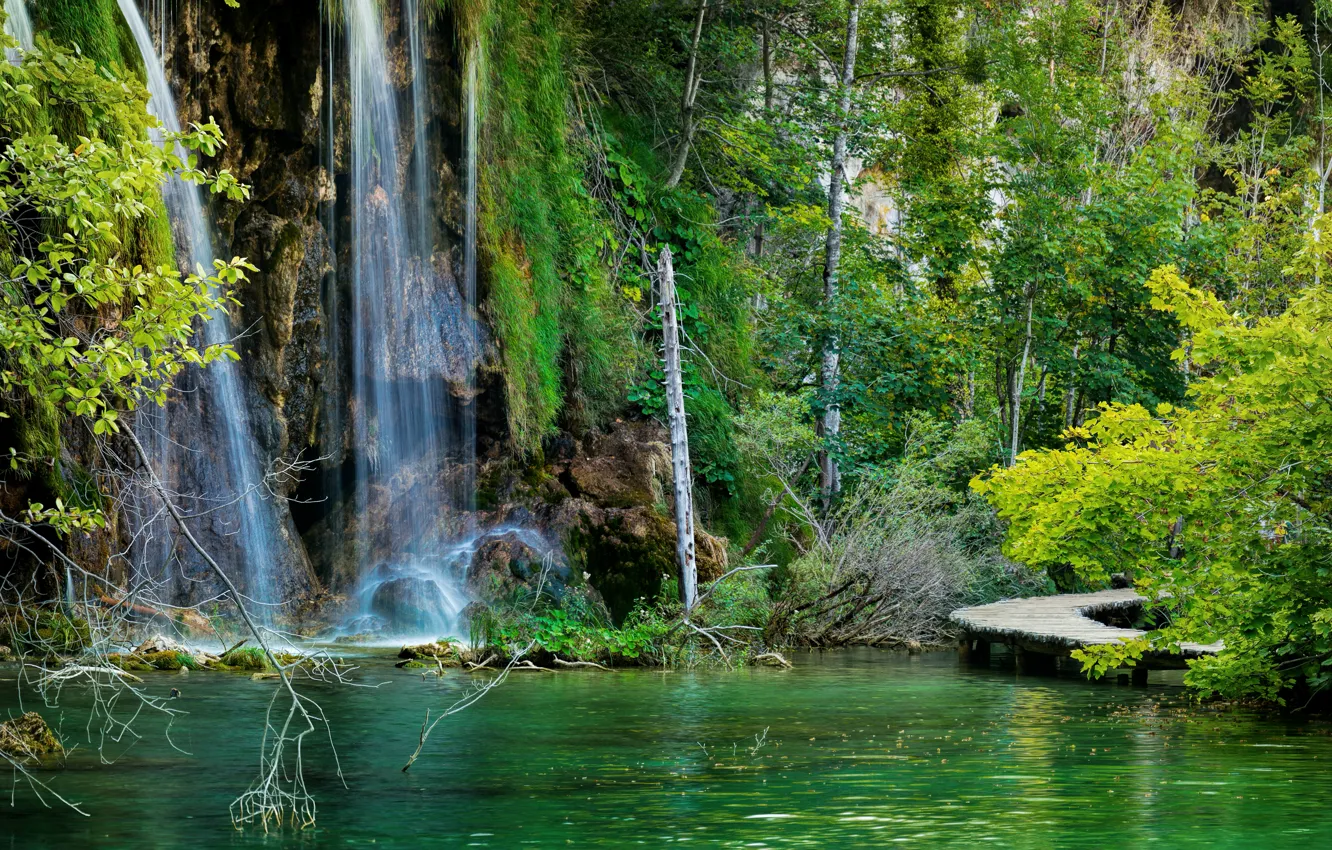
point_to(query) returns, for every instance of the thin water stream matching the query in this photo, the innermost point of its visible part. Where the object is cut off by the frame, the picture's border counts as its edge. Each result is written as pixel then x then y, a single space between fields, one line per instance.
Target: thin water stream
pixel 19 25
pixel 852 749
pixel 224 457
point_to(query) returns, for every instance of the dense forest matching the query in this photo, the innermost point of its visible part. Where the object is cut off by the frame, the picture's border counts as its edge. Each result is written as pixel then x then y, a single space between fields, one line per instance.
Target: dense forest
pixel 974 300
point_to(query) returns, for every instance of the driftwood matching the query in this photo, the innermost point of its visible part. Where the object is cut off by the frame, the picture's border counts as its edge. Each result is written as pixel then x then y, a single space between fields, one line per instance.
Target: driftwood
pixel 191 618
pixel 485 663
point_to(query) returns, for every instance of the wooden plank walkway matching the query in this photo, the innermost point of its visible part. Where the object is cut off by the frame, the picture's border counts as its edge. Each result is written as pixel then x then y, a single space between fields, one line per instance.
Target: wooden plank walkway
pixel 1057 625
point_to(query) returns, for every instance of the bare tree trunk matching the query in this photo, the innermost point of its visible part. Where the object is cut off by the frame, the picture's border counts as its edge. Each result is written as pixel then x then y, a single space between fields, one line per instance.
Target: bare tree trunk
pixel 1071 395
pixel 1021 376
pixel 767 66
pixel 831 426
pixel 691 84
pixel 684 479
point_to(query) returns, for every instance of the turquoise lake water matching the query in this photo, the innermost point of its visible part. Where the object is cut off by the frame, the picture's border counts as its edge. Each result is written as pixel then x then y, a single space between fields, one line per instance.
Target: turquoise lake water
pixel 851 749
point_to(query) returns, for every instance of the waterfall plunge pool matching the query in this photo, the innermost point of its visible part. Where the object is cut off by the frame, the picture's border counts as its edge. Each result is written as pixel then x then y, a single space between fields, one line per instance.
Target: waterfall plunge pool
pixel 850 749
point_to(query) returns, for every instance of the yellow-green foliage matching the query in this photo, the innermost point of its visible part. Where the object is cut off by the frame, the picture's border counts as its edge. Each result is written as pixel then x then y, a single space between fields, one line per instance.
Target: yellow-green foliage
pixel 1220 507
pixel 46 632
pixel 79 259
pixel 97 29
pixel 251 658
pixel 562 333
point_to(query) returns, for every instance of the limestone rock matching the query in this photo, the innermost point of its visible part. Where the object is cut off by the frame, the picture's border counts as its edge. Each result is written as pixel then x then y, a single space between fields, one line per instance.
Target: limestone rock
pixel 517 562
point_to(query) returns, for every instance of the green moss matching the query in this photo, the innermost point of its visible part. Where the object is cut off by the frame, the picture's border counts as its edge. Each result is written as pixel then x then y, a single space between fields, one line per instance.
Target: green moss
pixel 129 663
pixel 248 659
pixel 96 27
pixel 562 332
pixel 626 558
pixel 171 660
pixel 99 31
pixel 49 631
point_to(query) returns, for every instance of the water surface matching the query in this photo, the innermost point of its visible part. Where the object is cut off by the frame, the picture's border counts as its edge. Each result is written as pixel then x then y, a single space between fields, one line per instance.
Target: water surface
pixel 857 749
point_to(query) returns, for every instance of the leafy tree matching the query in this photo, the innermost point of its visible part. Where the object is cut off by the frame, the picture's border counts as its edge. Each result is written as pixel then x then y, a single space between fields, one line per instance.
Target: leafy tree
pixel 88 331
pixel 1221 509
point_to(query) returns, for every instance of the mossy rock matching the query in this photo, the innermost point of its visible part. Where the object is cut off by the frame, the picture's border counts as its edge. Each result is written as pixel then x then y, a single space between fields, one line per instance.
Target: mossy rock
pixel 626 554
pixel 48 632
pixel 413 664
pixel 442 651
pixel 250 659
pixel 28 739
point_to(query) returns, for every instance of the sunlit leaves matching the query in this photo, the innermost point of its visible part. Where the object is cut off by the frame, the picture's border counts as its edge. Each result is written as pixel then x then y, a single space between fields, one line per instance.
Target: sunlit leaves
pixel 85 325
pixel 1219 509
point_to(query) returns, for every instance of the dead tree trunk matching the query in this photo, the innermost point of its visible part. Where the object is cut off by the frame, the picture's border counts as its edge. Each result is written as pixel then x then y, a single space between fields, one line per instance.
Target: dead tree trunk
pixel 831 426
pixel 684 486
pixel 692 82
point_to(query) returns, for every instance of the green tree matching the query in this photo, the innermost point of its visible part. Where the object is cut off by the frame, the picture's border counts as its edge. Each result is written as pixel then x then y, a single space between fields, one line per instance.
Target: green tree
pixel 1219 510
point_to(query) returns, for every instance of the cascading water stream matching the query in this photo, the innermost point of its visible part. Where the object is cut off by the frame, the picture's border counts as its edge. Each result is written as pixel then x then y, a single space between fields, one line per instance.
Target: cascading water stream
pixel 403 415
pixel 233 474
pixel 18 25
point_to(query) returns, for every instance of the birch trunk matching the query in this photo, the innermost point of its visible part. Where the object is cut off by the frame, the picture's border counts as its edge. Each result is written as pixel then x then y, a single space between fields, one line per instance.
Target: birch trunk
pixel 830 375
pixel 684 487
pixel 1021 376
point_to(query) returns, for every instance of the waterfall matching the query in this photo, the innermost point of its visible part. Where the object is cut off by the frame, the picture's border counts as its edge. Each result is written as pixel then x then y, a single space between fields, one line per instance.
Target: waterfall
pixel 219 444
pixel 18 25
pixel 406 328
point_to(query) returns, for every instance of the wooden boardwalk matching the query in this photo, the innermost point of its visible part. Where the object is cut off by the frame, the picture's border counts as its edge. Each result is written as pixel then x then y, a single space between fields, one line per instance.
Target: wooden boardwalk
pixel 1054 626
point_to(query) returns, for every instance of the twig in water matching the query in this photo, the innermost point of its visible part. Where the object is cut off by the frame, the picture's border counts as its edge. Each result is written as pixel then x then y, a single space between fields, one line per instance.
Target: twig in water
pixel 562 663
pixel 427 726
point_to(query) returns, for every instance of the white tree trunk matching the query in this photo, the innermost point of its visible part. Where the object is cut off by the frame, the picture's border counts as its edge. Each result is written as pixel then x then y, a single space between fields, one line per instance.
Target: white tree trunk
pixel 684 479
pixel 830 369
pixel 1021 377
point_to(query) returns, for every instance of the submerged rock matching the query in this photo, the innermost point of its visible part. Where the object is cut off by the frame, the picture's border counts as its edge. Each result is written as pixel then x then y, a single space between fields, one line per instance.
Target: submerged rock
pixel 411 604
pixel 28 739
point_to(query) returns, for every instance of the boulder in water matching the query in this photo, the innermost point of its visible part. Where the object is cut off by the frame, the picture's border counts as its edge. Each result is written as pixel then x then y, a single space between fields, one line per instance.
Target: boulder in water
pixel 159 643
pixel 446 652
